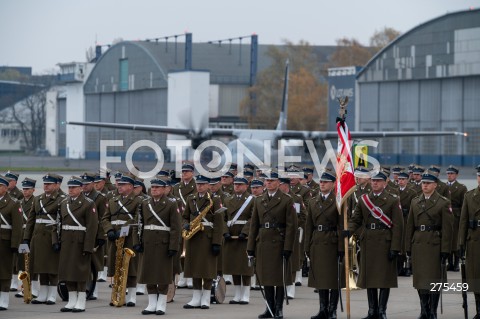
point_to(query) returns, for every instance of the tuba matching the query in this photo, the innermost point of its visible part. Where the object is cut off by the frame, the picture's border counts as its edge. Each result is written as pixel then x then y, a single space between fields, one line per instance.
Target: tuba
pixel 196 225
pixel 24 276
pixel 354 270
pixel 122 260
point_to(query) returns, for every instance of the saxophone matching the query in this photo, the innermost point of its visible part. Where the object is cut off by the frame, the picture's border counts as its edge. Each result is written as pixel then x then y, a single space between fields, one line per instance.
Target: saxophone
pixel 196 225
pixel 122 260
pixel 24 276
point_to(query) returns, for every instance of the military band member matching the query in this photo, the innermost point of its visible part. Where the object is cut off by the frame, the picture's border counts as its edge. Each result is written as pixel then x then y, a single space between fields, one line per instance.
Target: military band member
pixel 469 240
pixel 182 190
pixel 456 194
pixel 379 214
pixel 99 184
pixel 43 241
pixel 13 190
pixel 429 242
pixel 28 188
pixel 257 188
pixel 442 188
pixel 227 182
pixel 203 248
pixel 77 230
pixel 363 186
pixel 160 237
pixel 237 218
pixel 108 182
pixel 406 195
pixel 58 184
pixel 416 183
pixel 100 201
pixel 10 233
pixel 324 246
pixel 396 170
pixel 248 174
pixel 122 211
pixel 314 186
pixel 298 251
pixel 271 239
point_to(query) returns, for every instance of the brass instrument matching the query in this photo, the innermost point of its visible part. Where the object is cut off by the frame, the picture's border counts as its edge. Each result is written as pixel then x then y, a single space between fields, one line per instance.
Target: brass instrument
pixel 122 260
pixel 24 276
pixel 354 270
pixel 196 225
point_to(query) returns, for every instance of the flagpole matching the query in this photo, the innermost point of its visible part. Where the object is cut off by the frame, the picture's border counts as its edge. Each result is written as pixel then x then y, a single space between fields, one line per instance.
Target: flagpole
pixel 347 262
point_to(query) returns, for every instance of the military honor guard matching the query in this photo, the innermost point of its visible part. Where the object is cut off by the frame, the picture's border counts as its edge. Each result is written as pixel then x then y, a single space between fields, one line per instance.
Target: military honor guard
pixel 227 182
pixel 10 233
pixel 44 246
pixel 456 194
pixel 122 213
pixel 324 246
pixel 77 231
pixel 429 242
pixel 98 256
pixel 182 190
pixel 160 232
pixel 363 186
pixel 380 216
pixel 469 240
pixel 310 182
pixel 416 182
pixel 237 218
pixel 13 190
pixel 271 239
pixel 406 195
pixel 203 225
pixel 257 188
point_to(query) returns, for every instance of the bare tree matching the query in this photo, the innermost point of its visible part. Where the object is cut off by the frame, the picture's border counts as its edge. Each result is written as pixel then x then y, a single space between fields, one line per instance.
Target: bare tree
pixel 30 115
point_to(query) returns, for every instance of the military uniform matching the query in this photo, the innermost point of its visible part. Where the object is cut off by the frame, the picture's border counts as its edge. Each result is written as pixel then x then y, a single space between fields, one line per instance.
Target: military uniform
pixel 10 235
pixel 160 238
pixel 379 246
pixel 16 193
pixel 77 227
pixel 429 239
pixel 406 195
pixel 272 237
pixel 456 194
pixel 203 248
pixel 469 240
pixel 235 261
pixel 39 234
pixel 323 243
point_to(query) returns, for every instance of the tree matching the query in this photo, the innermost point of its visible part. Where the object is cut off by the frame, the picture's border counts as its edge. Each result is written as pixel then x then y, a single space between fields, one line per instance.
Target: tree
pixel 382 38
pixel 350 52
pixel 307 95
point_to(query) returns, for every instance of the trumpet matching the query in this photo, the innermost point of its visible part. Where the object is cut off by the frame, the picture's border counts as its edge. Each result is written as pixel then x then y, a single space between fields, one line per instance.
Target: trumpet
pixel 24 276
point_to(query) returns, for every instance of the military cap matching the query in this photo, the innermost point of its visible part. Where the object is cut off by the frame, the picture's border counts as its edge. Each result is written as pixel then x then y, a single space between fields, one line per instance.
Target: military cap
pixel 307 169
pixel 233 166
pixel 139 182
pixel 429 178
pixel 88 177
pixel 240 180
pixel 49 179
pixel 118 175
pixel 327 176
pixel 59 178
pixel 361 172
pixel 256 183
pixel 263 175
pixel 75 181
pixel 28 183
pixel 403 174
pixel 215 180
pixel 397 169
pixel 273 175
pixel 228 174
pixel 187 166
pixel 380 175
pixel 127 178
pixel 12 175
pixel 418 170
pixel 411 167
pixel 248 173
pixel 99 177
pixel 4 180
pixel 284 180
pixel 386 169
pixel 434 168
pixel 158 182
pixel 452 169
pixel 164 173
pixel 201 179
pixel 293 168
pixel 249 166
pixel 432 171
pixel 478 170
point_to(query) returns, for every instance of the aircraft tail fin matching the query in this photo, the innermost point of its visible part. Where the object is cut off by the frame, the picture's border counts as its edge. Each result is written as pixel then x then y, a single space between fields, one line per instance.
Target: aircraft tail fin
pixel 282 121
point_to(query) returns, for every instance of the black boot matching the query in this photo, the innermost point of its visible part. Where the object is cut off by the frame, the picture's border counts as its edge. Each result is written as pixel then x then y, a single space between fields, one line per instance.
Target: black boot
pixel 372 303
pixel 477 304
pixel 279 296
pixel 382 303
pixel 455 263
pixel 434 298
pixel 270 298
pixel 323 300
pixel 450 263
pixel 332 307
pixel 424 304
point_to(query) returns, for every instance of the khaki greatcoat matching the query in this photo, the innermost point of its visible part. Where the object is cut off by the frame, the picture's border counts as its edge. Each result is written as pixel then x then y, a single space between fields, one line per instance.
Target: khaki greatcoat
pixel 9 238
pixel 456 194
pixel 426 246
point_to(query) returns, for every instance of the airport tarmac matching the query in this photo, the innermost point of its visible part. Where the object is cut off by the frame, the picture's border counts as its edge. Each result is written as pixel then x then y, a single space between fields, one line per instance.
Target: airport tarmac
pixel 403 304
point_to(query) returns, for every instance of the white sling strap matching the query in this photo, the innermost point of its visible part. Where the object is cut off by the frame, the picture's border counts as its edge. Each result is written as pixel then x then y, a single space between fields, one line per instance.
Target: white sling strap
pixel 46 213
pixel 7 225
pixel 155 215
pixel 80 226
pixel 125 209
pixel 240 211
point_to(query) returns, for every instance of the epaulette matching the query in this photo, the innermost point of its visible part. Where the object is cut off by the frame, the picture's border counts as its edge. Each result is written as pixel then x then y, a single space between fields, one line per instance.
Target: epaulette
pixel 15 200
pixel 288 195
pixel 191 195
pixel 393 195
pixel 446 199
pixel 89 199
pixel 63 200
pixel 173 200
pixel 470 191
pixel 62 196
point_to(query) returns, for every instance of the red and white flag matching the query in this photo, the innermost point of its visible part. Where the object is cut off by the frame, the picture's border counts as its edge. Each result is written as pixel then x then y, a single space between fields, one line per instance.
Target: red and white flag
pixel 345 178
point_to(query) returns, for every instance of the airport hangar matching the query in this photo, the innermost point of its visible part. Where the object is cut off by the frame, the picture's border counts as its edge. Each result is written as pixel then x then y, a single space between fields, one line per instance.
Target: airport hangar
pixel 427 79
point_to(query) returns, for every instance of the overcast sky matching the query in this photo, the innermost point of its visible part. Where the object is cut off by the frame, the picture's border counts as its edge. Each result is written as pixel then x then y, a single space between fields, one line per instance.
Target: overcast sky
pixel 42 33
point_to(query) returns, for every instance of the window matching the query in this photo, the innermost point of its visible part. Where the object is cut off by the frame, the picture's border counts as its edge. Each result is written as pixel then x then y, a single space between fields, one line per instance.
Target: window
pixel 123 78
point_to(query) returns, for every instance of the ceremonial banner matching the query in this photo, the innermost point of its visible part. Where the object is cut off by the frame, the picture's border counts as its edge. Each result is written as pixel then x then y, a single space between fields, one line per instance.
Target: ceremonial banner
pixel 345 179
